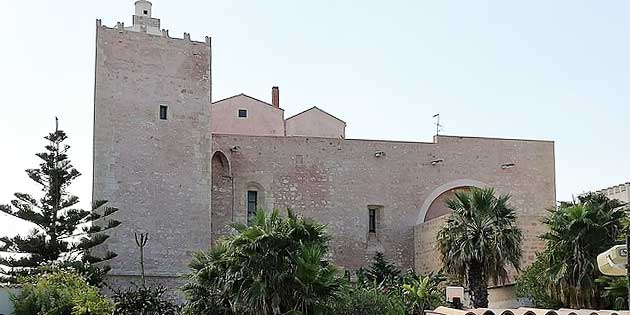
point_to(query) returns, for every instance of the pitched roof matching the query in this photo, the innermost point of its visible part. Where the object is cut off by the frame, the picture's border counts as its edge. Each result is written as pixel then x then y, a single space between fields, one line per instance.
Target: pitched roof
pixel 245 95
pixel 317 108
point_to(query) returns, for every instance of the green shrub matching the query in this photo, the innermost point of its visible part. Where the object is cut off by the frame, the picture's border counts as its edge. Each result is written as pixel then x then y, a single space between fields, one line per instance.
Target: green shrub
pixel 533 286
pixel 143 300
pixel 60 293
pixel 366 302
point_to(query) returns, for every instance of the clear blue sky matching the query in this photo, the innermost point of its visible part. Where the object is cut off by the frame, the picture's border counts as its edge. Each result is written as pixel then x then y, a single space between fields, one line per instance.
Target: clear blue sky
pixel 555 70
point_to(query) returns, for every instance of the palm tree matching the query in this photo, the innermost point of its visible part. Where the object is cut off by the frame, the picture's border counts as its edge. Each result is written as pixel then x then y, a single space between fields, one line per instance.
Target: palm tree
pixel 275 265
pixel 479 240
pixel 577 233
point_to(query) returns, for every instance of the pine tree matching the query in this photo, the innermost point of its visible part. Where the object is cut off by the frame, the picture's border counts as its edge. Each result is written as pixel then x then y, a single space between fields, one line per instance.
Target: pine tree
pixel 382 270
pixel 62 234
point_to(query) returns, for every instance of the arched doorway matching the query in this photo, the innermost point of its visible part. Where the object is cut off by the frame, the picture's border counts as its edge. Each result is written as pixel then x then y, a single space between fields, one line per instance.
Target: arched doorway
pixel 222 198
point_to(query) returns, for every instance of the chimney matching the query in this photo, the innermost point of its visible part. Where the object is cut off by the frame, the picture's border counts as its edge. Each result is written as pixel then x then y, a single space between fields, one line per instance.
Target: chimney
pixel 275 97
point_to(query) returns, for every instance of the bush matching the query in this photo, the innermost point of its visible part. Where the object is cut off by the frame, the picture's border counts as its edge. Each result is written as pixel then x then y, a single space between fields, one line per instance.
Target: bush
pixel 143 300
pixel 366 302
pixel 60 293
pixel 533 286
pixel 275 265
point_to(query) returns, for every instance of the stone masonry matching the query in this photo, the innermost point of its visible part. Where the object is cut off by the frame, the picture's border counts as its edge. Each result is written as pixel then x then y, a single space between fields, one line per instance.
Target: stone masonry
pixel 157 172
pixel 157 159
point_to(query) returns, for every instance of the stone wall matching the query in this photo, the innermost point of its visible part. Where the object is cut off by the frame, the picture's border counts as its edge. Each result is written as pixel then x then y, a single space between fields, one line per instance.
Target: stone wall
pixel 334 181
pixel 157 172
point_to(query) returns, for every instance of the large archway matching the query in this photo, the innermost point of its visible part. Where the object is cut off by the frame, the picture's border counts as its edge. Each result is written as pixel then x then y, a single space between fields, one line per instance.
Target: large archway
pixel 431 217
pixel 222 198
pixel 444 190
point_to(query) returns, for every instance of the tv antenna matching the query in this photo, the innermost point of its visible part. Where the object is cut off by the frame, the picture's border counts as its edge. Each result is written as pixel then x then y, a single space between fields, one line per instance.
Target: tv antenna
pixel 438 126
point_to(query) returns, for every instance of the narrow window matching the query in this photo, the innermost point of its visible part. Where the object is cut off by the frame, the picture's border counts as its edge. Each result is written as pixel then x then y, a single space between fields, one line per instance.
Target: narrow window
pixel 372 220
pixel 163 111
pixel 252 204
pixel 242 113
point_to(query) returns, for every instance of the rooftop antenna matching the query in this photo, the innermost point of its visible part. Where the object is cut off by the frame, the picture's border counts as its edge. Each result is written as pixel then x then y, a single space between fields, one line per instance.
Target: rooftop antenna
pixel 438 127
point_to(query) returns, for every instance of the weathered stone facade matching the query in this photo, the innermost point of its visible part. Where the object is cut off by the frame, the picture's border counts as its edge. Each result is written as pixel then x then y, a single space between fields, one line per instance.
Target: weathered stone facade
pixel 182 183
pixel 156 171
pixel 335 181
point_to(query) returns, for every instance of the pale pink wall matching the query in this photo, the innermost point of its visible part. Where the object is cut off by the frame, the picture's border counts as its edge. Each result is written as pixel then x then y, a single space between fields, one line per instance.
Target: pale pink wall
pixel 263 119
pixel 315 123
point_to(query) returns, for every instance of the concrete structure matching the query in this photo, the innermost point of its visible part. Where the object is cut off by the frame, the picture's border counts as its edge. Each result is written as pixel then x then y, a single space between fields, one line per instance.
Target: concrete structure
pixel 620 192
pixel 181 167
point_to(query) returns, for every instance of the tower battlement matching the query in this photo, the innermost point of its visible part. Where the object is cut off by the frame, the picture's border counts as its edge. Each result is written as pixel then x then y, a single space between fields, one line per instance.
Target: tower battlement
pixel 120 27
pixel 143 22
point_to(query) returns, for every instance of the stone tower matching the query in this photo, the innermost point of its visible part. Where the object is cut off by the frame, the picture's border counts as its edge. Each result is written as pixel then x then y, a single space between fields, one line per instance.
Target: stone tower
pixel 152 142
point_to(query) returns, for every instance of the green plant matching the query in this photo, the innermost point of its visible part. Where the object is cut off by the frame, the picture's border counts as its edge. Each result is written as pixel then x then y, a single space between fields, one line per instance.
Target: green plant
pixel 275 265
pixel 365 301
pixel 479 240
pixel 143 300
pixel 534 286
pixel 59 293
pixel 381 270
pixel 55 219
pixel 577 233
pixel 423 293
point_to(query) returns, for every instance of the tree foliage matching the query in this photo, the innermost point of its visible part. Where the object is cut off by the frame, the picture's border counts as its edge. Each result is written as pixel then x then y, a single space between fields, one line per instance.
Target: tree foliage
pixel 62 232
pixel 417 293
pixel 577 233
pixel 381 270
pixel 479 240
pixel 275 265
pixel 59 293
pixel 533 285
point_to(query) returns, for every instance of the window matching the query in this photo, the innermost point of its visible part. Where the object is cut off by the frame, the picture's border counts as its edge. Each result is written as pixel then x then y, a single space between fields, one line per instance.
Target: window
pixel 372 220
pixel 163 111
pixel 242 113
pixel 145 11
pixel 252 204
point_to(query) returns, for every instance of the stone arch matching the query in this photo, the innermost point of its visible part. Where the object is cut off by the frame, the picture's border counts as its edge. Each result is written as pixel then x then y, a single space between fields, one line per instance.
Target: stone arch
pixel 437 192
pixel 221 163
pixel 222 197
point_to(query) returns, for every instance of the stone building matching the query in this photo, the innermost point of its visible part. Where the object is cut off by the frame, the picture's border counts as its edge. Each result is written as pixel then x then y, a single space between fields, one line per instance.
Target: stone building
pixel 620 192
pixel 181 167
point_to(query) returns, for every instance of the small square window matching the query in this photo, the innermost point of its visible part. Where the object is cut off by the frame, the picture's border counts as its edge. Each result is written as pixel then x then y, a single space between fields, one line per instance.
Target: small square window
pixel 163 112
pixel 146 11
pixel 242 113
